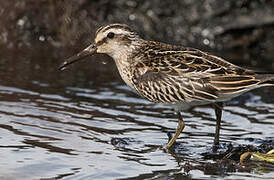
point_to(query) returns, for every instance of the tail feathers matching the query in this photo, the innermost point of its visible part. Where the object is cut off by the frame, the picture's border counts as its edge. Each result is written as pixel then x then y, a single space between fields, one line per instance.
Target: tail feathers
pixel 266 79
pixel 268 83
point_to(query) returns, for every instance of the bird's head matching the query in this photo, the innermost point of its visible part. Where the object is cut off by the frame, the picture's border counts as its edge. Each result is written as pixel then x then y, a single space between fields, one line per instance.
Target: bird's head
pixel 115 40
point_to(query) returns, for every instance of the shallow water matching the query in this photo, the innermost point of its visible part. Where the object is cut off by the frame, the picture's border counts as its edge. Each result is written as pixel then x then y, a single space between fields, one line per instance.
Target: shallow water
pixel 84 123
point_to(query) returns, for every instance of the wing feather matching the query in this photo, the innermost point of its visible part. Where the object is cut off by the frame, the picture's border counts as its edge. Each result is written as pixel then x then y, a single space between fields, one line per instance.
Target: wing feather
pixel 233 83
pixel 172 74
pixel 163 88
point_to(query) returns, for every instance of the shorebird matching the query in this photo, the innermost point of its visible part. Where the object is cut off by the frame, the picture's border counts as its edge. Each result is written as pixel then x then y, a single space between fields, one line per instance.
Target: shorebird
pixel 178 76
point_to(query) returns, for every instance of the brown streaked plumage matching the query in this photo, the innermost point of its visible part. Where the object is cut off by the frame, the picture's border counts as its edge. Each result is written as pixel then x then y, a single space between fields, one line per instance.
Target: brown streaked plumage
pixel 174 75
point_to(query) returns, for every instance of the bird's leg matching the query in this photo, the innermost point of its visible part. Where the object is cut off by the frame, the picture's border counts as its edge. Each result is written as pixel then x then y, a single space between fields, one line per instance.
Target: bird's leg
pixel 180 128
pixel 218 112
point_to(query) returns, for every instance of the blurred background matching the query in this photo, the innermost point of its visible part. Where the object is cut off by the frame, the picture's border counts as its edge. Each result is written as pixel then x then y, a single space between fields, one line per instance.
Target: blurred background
pixel 84 123
pixel 243 27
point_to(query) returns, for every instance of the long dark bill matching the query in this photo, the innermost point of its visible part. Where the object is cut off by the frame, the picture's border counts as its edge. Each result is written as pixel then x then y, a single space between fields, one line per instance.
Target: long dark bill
pixel 90 50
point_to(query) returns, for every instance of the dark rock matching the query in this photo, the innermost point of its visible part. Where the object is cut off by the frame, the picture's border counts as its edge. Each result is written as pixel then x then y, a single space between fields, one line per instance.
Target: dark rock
pixel 242 30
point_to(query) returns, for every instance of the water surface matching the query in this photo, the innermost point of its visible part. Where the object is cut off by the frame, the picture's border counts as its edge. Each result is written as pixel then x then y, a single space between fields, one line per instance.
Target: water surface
pixel 85 123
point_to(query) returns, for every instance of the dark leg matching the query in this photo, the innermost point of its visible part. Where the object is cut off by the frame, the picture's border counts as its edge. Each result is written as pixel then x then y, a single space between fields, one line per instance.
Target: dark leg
pixel 218 112
pixel 180 128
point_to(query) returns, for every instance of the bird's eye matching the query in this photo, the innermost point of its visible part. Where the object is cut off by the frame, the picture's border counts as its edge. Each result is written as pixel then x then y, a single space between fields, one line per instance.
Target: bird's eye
pixel 110 35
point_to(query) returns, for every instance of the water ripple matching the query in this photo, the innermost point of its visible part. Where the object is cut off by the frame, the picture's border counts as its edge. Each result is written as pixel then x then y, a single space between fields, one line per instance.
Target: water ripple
pixel 100 133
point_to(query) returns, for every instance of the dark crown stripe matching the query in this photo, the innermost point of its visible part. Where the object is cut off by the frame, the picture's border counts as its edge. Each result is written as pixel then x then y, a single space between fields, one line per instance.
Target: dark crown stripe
pixel 115 26
pixel 98 30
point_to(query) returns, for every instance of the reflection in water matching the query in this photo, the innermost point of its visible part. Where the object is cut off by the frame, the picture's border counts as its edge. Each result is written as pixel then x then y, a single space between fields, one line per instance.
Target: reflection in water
pixel 109 132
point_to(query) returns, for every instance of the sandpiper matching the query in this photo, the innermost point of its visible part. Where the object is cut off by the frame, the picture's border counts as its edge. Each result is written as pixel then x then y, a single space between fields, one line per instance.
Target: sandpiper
pixel 174 75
